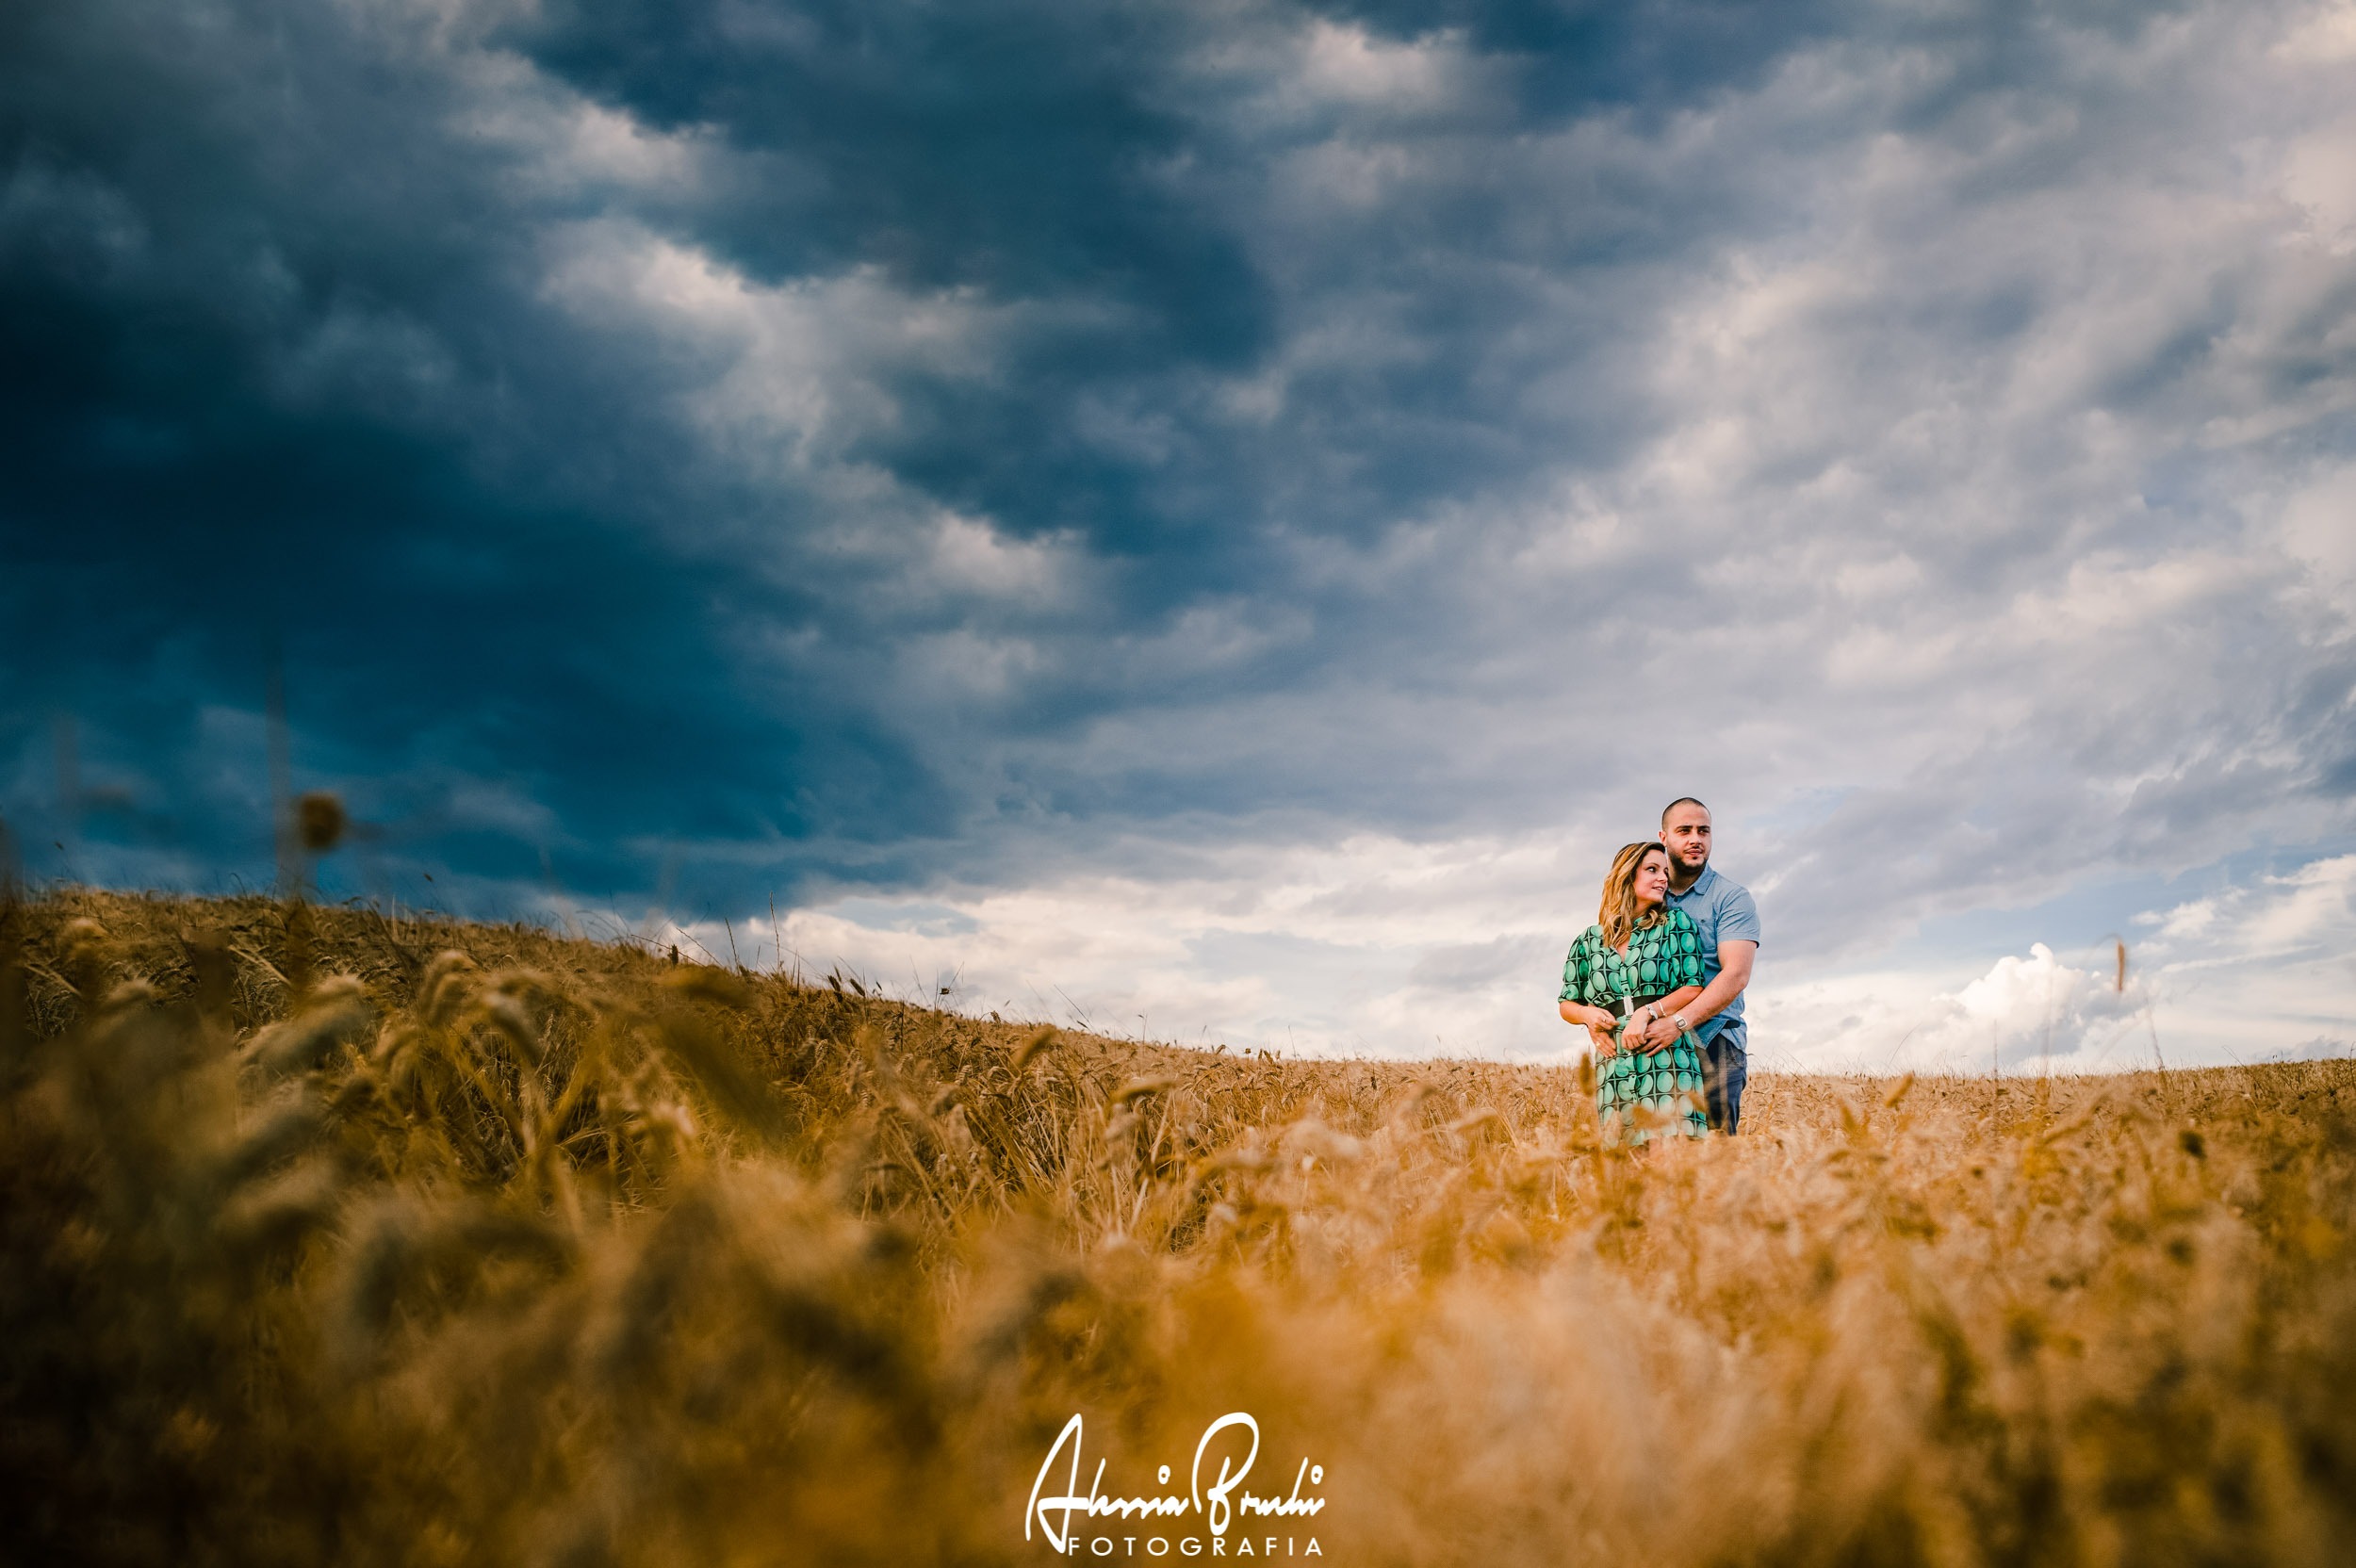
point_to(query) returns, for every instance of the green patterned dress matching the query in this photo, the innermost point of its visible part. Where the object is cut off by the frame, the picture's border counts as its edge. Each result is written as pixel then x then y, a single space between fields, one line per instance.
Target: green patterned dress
pixel 1660 960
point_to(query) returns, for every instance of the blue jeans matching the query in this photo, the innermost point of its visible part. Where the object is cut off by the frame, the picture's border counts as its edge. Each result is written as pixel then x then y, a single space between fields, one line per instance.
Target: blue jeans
pixel 1722 1065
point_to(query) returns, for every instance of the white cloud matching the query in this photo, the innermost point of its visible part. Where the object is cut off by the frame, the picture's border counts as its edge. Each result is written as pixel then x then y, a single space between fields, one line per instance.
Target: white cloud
pixel 2319 530
pixel 795 371
pixel 2263 968
pixel 2325 34
pixel 558 145
pixel 1382 948
pixel 1346 949
pixel 970 555
pixel 2025 1013
pixel 1349 64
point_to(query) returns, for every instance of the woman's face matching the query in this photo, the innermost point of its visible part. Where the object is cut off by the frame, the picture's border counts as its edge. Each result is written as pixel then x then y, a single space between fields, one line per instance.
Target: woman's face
pixel 1652 878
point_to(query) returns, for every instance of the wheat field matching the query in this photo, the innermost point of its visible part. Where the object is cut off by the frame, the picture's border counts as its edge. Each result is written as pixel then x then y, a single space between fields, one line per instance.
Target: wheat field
pixel 339 1236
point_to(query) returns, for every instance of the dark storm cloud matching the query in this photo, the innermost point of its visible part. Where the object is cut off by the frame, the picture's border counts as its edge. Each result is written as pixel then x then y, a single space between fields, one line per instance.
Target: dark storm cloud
pixel 815 444
pixel 284 374
pixel 278 381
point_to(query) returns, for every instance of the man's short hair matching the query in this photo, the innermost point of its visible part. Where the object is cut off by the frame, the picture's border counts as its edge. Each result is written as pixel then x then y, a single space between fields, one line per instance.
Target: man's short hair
pixel 1681 800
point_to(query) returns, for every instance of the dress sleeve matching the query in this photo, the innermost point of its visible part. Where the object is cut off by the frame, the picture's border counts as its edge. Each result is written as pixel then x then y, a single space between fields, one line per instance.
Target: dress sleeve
pixel 1576 966
pixel 1684 958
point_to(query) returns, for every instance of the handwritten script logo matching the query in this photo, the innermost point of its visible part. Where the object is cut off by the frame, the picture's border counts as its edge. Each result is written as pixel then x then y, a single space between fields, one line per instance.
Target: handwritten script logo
pixel 1219 1503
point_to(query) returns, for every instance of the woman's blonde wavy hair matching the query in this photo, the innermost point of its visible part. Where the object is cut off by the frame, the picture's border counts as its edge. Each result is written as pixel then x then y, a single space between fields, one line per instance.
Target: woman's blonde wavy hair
pixel 1618 912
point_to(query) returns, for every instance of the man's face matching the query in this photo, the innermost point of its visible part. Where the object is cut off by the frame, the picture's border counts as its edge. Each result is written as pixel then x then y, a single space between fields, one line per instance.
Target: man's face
pixel 1686 831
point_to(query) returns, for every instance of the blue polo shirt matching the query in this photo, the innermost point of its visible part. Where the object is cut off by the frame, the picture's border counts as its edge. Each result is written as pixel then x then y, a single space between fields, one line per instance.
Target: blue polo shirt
pixel 1722 912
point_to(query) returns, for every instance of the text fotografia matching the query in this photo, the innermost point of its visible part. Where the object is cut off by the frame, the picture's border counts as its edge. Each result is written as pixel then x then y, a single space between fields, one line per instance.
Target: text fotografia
pixel 1219 1504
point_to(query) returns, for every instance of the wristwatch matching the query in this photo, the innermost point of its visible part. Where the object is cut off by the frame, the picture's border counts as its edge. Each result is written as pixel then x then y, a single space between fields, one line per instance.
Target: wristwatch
pixel 1683 1027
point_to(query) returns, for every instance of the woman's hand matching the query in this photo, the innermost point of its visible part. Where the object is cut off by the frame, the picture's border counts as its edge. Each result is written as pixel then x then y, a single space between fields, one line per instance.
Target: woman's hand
pixel 1599 1023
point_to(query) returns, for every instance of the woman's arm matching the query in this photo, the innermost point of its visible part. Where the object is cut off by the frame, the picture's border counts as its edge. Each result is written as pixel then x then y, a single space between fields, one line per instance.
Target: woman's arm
pixel 1577 967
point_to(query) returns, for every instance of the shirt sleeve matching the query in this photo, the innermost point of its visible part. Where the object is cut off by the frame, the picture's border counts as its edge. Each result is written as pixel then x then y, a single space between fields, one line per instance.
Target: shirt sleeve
pixel 1738 919
pixel 1574 967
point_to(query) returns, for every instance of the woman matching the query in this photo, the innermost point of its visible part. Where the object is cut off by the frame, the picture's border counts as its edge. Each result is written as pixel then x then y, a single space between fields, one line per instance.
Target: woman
pixel 1640 961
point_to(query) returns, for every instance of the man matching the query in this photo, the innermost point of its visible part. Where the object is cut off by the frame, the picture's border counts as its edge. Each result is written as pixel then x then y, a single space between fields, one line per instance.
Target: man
pixel 1728 921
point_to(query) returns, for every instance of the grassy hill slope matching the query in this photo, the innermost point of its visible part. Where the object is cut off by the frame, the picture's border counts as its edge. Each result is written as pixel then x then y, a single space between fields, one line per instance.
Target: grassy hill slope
pixel 329 1235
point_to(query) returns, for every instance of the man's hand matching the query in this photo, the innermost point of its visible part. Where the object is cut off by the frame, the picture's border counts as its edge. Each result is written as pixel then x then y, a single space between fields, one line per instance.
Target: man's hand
pixel 1660 1034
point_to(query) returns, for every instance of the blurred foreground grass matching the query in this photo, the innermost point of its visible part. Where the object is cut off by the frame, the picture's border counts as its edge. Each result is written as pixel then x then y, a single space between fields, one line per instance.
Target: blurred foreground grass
pixel 335 1238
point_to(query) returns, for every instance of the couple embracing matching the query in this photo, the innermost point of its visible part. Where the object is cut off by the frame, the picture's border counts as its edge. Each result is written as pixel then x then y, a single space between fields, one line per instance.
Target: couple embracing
pixel 1658 981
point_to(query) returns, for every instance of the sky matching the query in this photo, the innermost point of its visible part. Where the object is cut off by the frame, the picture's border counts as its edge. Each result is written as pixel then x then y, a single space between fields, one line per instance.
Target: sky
pixel 1214 520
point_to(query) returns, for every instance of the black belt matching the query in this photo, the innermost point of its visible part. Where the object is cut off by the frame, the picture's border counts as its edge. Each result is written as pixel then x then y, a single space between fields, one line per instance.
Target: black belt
pixel 1625 1006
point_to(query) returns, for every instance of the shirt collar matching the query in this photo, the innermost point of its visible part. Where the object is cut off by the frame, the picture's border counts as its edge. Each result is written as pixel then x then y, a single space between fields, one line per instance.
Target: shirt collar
pixel 1709 875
